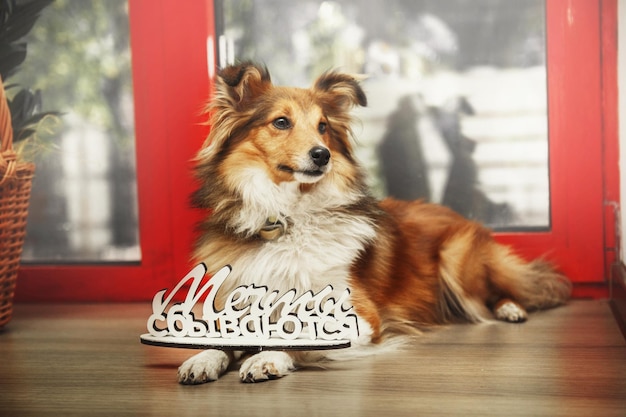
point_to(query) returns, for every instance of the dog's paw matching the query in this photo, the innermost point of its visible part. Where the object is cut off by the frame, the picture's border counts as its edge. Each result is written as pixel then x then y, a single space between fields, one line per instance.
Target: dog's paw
pixel 206 366
pixel 265 366
pixel 510 311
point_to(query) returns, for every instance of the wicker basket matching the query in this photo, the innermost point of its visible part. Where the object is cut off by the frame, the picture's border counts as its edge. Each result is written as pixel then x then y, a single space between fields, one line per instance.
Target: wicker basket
pixel 15 183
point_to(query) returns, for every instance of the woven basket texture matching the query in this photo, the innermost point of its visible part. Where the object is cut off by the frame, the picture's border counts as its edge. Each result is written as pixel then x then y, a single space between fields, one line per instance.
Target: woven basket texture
pixel 15 185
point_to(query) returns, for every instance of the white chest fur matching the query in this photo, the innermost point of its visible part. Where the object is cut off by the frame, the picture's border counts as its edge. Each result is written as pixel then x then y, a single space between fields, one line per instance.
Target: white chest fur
pixel 314 252
pixel 320 242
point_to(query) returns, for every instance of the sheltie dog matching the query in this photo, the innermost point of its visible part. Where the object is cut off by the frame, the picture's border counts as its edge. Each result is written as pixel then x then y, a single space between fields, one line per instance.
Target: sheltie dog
pixel 288 207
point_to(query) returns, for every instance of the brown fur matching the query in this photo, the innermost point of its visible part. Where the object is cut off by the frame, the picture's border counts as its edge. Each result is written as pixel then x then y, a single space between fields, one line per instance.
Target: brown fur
pixel 426 264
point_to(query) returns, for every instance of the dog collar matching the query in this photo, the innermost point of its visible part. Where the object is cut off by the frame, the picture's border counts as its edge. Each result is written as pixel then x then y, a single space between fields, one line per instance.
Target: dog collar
pixel 272 229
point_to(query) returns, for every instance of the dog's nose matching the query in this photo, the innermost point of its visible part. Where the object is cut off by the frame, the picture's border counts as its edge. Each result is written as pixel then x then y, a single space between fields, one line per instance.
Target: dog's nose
pixel 319 155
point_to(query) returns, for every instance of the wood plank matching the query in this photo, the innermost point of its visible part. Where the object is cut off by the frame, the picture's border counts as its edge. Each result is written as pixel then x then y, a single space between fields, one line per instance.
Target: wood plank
pixel 87 360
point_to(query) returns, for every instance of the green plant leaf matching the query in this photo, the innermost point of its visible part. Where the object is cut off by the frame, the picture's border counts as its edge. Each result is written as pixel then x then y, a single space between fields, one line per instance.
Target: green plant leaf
pixel 17 20
pixel 10 59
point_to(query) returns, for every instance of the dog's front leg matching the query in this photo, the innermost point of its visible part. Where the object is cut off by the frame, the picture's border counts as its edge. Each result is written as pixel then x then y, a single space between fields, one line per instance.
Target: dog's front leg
pixel 206 366
pixel 266 365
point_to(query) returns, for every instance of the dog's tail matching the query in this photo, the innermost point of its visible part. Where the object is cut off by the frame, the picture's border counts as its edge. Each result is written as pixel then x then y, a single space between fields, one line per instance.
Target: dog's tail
pixel 536 285
pixel 490 272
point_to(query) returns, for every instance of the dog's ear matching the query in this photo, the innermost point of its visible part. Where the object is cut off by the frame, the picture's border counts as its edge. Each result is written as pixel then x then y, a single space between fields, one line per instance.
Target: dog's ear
pixel 242 83
pixel 337 93
pixel 236 87
pixel 342 91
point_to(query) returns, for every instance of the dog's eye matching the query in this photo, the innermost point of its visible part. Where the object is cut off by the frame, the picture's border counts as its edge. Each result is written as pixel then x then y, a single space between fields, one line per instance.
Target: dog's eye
pixel 322 127
pixel 282 123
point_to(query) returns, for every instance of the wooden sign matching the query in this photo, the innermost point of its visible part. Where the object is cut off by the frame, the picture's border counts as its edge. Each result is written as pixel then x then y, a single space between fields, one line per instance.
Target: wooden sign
pixel 253 317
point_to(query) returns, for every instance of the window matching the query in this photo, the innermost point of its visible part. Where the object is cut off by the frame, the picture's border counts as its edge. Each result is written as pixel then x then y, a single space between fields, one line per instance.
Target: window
pixel 457 106
pixel 502 123
pixel 84 198
pixel 173 56
pixel 170 87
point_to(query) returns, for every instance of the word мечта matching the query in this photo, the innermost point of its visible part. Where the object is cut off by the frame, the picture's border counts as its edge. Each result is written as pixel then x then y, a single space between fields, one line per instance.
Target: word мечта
pixel 251 312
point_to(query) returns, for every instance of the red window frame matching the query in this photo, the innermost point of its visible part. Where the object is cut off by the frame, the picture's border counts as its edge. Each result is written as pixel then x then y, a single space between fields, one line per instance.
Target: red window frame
pixel 172 49
pixel 582 118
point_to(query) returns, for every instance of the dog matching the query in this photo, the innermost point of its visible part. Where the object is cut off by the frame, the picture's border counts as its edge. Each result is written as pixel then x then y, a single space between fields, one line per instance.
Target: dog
pixel 288 207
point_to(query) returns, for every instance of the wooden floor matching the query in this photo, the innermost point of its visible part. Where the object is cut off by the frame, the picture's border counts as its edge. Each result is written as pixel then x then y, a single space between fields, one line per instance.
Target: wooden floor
pixel 86 360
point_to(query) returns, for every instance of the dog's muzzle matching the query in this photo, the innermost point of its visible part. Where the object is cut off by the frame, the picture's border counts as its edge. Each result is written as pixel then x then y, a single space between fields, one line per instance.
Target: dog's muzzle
pixel 312 167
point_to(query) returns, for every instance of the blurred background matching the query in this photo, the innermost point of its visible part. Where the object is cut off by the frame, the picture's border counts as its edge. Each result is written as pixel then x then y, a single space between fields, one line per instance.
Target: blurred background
pixel 457 108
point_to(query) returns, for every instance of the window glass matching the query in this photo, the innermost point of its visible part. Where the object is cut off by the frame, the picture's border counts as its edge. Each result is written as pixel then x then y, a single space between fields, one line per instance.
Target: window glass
pixel 84 205
pixel 457 105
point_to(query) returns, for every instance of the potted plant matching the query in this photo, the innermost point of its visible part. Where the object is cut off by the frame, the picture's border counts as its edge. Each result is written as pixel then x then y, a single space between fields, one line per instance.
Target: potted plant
pixel 20 117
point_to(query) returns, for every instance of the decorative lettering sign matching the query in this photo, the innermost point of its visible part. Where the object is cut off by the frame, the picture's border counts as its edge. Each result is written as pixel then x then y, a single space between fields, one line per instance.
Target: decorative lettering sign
pixel 252 317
